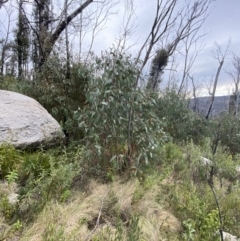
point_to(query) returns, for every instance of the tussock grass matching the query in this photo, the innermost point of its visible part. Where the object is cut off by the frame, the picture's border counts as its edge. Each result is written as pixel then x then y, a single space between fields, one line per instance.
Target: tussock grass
pixel 78 218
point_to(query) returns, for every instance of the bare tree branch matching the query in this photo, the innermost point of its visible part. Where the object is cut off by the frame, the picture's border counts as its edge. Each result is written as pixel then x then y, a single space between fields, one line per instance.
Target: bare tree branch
pixel 59 29
pixel 99 216
pixel 2 2
pixel 5 41
pixel 190 43
pixel 128 27
pixel 101 18
pixel 218 54
pixel 181 24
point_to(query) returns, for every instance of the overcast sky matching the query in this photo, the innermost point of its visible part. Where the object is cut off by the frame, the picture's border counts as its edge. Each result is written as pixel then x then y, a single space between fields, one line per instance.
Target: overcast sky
pixel 222 24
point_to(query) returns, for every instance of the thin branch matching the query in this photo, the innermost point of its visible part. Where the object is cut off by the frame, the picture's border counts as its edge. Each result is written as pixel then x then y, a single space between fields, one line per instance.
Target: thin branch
pixel 220 56
pixel 100 21
pixel 183 23
pixel 211 184
pixel 99 216
pixel 62 25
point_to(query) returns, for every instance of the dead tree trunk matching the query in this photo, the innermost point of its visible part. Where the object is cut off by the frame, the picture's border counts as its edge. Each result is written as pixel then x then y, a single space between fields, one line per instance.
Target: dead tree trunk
pixel 214 89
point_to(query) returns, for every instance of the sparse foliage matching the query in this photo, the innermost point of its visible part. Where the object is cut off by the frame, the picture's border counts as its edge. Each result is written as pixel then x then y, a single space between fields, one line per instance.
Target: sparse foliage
pixel 159 61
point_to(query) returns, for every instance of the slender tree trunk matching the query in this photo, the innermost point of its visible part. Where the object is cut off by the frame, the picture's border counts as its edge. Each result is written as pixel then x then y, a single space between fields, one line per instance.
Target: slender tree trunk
pixel 214 89
pixel 19 41
pixel 67 44
pixel 60 28
pixel 2 60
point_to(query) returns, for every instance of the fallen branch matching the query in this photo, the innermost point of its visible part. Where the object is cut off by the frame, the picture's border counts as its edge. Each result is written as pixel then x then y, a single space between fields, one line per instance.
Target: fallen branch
pixel 98 219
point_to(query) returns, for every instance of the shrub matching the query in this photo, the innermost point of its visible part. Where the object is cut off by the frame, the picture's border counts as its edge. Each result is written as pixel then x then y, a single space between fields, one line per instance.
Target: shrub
pixel 181 122
pixel 225 132
pixel 6 209
pixel 9 83
pixel 119 120
pixel 49 174
pixel 61 96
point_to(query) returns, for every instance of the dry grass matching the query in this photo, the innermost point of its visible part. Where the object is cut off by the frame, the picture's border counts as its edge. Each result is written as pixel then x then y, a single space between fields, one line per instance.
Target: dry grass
pixel 6 189
pixel 76 220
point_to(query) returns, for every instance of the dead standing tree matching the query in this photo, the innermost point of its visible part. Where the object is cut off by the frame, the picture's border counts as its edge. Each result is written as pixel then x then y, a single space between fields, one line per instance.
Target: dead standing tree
pixel 220 56
pixel 5 45
pixel 102 12
pixel 59 29
pixel 169 22
pixel 68 71
pixel 235 75
pixel 46 46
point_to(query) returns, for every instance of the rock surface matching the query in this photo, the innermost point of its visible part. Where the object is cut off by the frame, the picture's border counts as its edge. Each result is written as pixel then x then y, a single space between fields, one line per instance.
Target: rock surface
pixel 205 161
pixel 229 237
pixel 25 123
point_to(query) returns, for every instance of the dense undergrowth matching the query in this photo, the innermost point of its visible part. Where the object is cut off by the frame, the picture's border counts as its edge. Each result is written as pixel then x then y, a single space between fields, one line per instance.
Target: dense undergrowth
pixel 133 167
pixel 170 200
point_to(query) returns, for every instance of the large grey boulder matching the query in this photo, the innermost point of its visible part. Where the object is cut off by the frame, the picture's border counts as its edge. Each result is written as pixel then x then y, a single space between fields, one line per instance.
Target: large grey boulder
pixel 25 123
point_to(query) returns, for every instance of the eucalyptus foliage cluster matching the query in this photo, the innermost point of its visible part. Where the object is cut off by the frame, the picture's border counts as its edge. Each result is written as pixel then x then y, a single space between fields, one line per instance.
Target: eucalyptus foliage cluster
pixel 119 120
pixel 59 95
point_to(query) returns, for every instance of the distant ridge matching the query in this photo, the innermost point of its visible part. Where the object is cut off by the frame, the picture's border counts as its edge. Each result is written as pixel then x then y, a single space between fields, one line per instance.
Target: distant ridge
pixel 220 105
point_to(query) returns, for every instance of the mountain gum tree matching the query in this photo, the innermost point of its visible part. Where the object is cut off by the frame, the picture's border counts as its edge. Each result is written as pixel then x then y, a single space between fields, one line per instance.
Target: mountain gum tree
pixel 22 41
pixel 42 19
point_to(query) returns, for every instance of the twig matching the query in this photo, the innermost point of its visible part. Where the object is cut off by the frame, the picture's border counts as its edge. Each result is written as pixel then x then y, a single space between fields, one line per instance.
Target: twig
pixel 210 182
pixel 98 219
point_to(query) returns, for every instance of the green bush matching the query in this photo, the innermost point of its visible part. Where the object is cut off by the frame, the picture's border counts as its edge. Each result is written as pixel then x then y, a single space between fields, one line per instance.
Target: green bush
pixel 61 96
pixel 10 83
pixel 119 120
pixel 49 174
pixel 181 122
pixel 10 160
pixel 225 166
pixel 225 132
pixel 171 152
pixel 6 209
